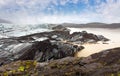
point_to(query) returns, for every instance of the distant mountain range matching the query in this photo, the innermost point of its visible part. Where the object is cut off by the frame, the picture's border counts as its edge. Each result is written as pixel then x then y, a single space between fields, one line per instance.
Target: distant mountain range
pixel 75 25
pixel 4 21
pixel 92 25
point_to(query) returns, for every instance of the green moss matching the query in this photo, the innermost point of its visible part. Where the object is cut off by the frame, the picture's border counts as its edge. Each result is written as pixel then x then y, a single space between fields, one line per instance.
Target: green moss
pixel 20 68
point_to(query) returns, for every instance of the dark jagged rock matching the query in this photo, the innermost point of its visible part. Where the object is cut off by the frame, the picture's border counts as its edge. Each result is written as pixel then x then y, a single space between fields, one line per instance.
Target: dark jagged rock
pixel 50 35
pixel 102 38
pixel 54 50
pixel 60 28
pixel 84 37
pixel 38 50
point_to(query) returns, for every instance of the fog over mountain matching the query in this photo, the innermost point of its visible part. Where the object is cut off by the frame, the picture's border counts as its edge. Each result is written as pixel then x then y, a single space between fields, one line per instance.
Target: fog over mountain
pixel 4 21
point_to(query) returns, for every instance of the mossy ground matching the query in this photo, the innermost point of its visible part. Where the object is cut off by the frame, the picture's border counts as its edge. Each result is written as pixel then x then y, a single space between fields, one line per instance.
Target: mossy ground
pixel 19 68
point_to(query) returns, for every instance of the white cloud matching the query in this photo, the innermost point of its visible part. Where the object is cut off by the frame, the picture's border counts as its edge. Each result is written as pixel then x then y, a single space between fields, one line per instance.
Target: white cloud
pixel 2 2
pixel 75 1
pixel 63 2
pixel 103 12
pixel 109 11
pixel 57 18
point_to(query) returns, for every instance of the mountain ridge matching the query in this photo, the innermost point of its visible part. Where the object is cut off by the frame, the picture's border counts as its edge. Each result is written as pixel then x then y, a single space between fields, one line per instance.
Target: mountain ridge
pixel 92 25
pixel 4 21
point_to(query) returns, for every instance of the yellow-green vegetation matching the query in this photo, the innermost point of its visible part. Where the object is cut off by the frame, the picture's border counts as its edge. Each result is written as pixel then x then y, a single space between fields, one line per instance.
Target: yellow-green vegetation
pixel 112 74
pixel 19 68
pixel 5 74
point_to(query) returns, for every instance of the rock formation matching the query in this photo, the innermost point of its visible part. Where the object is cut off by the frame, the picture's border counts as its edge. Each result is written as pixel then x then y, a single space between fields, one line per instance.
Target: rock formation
pixel 53 54
pixel 105 63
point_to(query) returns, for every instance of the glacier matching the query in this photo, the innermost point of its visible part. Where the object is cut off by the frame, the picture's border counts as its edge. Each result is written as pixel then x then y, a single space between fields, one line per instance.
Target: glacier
pixel 16 30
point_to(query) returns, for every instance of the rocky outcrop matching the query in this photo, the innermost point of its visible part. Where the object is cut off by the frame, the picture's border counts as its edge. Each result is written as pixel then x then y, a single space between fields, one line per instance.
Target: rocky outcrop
pixel 44 46
pixel 84 37
pixel 79 37
pixel 54 51
pixel 105 63
pixel 38 50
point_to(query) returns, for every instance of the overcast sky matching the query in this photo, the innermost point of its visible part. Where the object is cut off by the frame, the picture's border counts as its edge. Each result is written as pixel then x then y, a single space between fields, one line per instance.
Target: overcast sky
pixel 60 11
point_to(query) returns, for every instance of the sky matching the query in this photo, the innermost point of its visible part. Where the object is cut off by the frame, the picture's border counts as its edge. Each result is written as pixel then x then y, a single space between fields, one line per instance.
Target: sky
pixel 60 11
